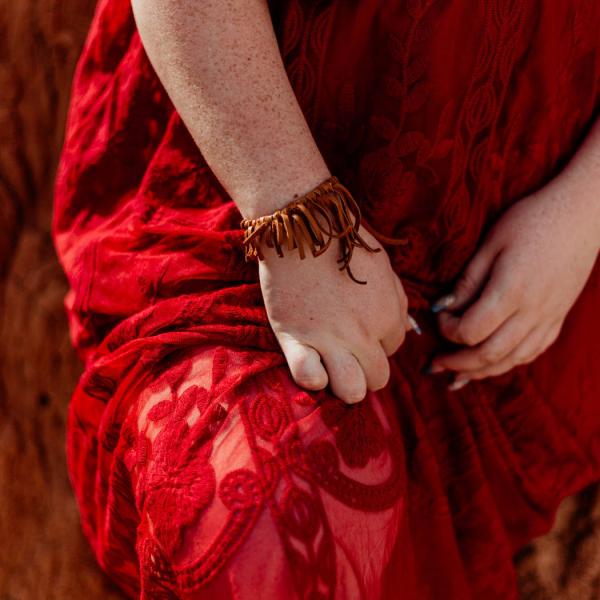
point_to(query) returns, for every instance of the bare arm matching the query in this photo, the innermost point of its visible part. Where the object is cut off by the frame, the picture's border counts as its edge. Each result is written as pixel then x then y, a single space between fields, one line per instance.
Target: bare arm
pixel 220 63
pixel 578 184
pixel 514 295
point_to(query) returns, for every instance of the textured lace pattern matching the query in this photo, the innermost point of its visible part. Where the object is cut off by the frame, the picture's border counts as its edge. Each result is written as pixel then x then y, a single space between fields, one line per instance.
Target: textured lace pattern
pixel 201 470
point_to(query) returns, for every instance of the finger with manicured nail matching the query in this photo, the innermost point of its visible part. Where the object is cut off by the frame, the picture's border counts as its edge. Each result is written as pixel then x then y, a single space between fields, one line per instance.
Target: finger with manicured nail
pixel 458 383
pixel 443 303
pixel 414 325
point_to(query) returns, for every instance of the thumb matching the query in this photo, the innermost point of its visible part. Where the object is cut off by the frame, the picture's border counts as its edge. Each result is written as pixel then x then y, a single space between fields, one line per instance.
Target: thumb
pixel 304 362
pixel 470 281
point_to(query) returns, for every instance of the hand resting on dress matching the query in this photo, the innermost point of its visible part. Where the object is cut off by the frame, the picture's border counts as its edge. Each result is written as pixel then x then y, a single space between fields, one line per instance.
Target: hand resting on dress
pixel 331 329
pixel 512 299
pixel 222 68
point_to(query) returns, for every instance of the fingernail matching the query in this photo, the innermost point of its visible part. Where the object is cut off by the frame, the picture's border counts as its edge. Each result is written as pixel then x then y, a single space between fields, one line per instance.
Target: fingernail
pixel 414 325
pixel 443 302
pixel 457 384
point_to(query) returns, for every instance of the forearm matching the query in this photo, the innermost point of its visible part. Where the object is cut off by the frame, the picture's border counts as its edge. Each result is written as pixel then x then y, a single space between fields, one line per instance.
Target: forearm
pixel 220 64
pixel 578 184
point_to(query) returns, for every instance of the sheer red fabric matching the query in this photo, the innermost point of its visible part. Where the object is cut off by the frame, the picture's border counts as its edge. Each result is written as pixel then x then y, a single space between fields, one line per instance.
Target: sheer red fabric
pixel 201 470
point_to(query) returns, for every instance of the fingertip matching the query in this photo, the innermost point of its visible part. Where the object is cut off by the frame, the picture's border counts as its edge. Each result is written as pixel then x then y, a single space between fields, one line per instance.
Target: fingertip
pixel 314 379
pixel 443 303
pixel 347 379
pixel 318 383
pixel 414 325
pixel 447 324
pixel 359 394
pixel 305 364
pixel 458 383
pixel 354 400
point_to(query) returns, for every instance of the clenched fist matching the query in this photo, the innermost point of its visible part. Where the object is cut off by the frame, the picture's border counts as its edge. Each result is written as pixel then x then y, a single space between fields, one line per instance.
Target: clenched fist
pixel 331 329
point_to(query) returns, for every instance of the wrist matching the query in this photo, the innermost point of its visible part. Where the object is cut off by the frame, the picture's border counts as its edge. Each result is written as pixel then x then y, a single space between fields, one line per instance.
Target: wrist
pixel 275 191
pixel 578 184
pixel 298 226
pixel 578 200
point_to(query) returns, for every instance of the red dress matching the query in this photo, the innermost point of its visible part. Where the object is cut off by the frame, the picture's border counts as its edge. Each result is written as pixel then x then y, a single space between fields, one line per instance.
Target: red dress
pixel 200 468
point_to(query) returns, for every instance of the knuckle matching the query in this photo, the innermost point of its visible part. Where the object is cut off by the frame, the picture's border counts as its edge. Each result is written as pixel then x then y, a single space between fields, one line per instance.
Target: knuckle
pixel 466 334
pixel 399 343
pixel 389 322
pixel 513 294
pixel 403 301
pixel 491 354
pixel 302 367
pixel 385 258
pixel 498 299
pixel 400 335
pixel 444 325
pixel 465 284
pixel 395 338
pixel 392 348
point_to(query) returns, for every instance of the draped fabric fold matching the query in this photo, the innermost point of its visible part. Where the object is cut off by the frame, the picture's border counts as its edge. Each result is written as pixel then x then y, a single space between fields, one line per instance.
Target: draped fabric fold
pixel 201 470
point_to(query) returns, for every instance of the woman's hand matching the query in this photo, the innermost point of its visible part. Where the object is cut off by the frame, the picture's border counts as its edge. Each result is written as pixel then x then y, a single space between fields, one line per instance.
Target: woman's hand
pixel 510 303
pixel 330 328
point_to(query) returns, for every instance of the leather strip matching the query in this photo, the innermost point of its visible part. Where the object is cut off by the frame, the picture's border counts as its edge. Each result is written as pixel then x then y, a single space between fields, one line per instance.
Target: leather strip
pixel 299 224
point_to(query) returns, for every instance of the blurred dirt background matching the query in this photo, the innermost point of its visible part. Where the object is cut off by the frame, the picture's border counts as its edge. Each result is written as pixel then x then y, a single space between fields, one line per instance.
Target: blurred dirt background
pixel 43 555
pixel 42 552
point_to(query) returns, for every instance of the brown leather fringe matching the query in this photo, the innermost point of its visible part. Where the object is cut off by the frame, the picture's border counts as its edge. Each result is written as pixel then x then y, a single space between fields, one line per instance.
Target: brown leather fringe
pixel 297 225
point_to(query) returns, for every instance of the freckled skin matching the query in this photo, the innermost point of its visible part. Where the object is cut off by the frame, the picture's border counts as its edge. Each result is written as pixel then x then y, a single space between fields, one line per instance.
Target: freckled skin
pixel 517 290
pixel 221 66
pixel 219 61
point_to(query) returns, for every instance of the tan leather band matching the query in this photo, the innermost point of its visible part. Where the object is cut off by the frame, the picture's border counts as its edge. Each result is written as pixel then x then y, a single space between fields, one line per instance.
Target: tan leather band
pixel 328 211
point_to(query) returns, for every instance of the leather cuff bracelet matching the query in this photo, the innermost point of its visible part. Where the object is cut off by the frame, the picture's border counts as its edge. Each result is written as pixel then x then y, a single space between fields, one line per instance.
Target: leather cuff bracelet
pixel 328 211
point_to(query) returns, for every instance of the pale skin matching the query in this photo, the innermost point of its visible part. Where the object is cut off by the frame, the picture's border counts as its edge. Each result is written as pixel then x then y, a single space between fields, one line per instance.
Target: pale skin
pixel 516 291
pixel 220 64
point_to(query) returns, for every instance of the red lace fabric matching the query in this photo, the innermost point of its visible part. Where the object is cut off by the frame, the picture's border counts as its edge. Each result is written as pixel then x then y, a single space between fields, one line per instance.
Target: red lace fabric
pixel 201 470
